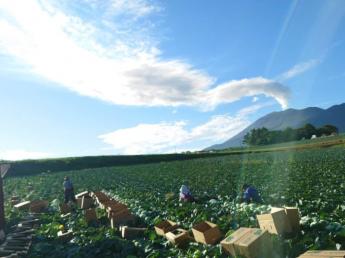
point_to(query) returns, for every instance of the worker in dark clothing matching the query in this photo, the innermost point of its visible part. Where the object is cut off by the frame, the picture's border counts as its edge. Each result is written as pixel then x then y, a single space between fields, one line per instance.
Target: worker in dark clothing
pixel 250 194
pixel 68 190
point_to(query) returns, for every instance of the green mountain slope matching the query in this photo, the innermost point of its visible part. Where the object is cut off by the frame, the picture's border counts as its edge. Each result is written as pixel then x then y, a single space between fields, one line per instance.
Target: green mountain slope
pixel 294 118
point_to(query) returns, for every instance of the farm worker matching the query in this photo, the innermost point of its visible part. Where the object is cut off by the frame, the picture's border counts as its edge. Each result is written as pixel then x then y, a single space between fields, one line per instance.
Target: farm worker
pixel 250 194
pixel 68 190
pixel 185 194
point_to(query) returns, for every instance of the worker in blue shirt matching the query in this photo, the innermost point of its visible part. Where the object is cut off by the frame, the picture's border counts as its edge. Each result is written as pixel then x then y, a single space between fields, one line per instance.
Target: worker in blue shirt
pixel 68 190
pixel 250 194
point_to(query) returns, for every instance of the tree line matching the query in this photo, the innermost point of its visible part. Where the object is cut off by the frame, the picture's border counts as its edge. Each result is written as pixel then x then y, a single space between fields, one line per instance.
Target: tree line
pixel 263 136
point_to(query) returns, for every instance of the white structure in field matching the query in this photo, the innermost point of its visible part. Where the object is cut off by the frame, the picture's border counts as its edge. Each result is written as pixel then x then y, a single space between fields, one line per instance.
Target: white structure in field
pixel 313 137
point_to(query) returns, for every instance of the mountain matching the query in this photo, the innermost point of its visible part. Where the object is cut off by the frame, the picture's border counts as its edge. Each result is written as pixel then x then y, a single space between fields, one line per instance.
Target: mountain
pixel 294 118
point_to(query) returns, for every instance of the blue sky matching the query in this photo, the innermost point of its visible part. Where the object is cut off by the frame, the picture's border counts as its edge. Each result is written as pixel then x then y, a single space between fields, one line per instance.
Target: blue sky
pixel 108 77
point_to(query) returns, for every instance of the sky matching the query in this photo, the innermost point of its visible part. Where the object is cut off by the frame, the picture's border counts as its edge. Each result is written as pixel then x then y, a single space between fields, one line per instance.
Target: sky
pixel 90 77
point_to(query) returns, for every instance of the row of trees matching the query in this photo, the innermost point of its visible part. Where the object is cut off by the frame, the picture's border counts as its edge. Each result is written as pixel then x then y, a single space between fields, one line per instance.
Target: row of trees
pixel 262 136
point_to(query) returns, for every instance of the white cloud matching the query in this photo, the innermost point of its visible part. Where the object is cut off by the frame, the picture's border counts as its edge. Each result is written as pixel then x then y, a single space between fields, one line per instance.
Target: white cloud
pixel 114 62
pixel 162 137
pixel 23 154
pixel 147 138
pixel 299 69
pixel 255 99
pixel 219 128
pixel 167 137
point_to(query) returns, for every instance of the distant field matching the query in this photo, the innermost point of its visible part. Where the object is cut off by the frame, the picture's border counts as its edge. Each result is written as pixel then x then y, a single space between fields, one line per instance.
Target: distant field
pixel 31 167
pixel 312 179
pixel 321 142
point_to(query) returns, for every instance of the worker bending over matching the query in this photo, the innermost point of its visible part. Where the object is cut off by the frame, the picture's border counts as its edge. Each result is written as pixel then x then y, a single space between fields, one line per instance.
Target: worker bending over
pixel 250 194
pixel 185 194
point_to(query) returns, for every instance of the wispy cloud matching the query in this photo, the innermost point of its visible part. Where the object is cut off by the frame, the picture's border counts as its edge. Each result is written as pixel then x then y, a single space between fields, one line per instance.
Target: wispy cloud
pixel 23 154
pixel 299 69
pixel 165 137
pixel 253 108
pixel 338 76
pixel 114 60
pixel 134 8
pixel 234 90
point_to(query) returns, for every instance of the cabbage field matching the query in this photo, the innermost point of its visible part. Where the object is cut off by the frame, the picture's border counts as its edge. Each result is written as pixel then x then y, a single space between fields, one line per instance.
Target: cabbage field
pixel 312 180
